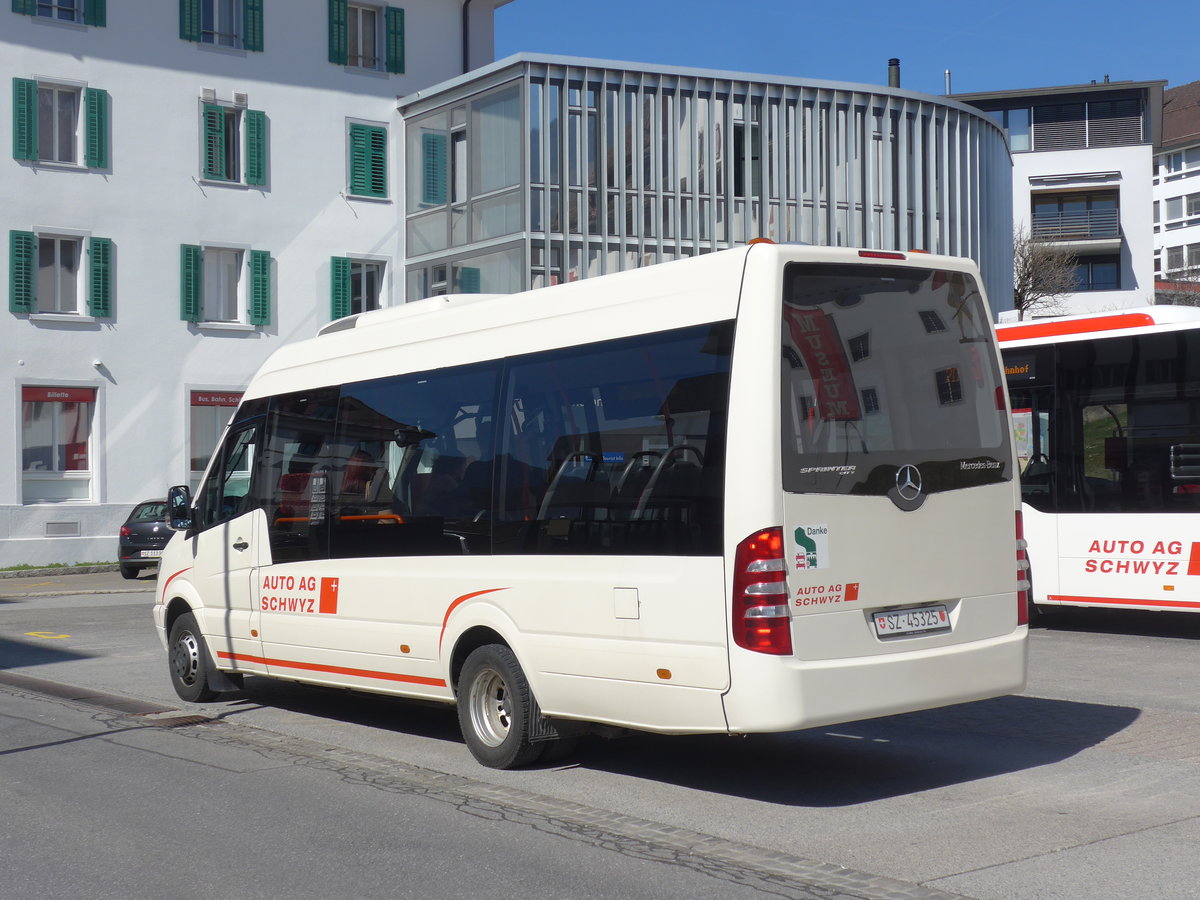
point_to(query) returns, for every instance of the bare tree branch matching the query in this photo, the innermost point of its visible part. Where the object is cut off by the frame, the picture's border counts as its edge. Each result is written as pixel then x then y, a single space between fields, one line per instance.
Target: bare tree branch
pixel 1043 274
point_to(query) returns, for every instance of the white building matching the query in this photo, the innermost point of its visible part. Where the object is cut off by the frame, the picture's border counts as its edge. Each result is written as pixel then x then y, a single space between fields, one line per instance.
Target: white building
pixel 1177 189
pixel 190 184
pixel 1083 158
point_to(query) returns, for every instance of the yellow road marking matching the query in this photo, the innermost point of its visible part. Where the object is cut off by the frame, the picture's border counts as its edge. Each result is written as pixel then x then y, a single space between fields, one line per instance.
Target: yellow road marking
pixel 48 635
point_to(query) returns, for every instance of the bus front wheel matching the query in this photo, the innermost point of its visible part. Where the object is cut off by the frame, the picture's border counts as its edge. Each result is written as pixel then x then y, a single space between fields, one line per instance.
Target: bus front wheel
pixel 188 657
pixel 493 708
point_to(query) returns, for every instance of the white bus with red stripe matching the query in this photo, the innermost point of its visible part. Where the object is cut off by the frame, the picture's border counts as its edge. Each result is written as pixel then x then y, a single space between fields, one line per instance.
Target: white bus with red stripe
pixel 761 490
pixel 1106 410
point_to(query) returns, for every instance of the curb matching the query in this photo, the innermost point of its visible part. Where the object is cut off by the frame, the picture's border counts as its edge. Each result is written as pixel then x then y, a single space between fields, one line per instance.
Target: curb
pixel 60 570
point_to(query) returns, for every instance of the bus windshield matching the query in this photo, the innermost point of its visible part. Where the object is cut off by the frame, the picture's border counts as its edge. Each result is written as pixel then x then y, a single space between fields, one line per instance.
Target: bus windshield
pixel 883 367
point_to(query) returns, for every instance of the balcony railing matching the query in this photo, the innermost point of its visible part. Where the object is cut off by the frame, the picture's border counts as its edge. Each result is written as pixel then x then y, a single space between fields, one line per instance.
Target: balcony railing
pixel 1084 225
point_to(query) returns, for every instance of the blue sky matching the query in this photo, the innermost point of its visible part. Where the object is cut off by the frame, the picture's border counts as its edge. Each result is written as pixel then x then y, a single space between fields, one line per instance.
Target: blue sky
pixel 987 47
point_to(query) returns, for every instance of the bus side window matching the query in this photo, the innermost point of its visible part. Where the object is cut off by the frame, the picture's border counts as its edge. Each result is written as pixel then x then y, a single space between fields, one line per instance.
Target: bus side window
pixel 227 492
pixel 412 465
pixel 296 473
pixel 617 447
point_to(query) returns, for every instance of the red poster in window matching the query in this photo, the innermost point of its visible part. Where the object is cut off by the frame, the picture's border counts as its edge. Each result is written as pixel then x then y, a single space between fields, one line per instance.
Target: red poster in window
pixel 816 337
pixel 39 394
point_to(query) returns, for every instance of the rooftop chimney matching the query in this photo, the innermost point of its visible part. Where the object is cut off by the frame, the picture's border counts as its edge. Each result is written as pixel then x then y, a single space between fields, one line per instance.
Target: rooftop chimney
pixel 948 91
pixel 893 72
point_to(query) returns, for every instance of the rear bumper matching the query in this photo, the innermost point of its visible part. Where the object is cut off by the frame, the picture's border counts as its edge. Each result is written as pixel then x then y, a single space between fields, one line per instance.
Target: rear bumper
pixel 829 692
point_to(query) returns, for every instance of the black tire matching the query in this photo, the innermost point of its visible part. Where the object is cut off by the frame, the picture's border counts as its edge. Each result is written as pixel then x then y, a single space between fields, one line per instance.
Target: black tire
pixel 129 572
pixel 493 709
pixel 187 657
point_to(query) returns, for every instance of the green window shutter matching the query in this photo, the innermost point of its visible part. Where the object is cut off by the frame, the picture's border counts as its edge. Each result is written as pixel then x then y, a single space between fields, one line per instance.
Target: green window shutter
pixel 191 275
pixel 214 141
pixel 25 119
pixel 433 168
pixel 252 24
pixel 94 13
pixel 100 277
pixel 260 287
pixel 368 161
pixel 339 287
pixel 22 247
pixel 395 40
pixel 338 40
pixel 254 122
pixel 468 280
pixel 25 7
pixel 189 20
pixel 96 144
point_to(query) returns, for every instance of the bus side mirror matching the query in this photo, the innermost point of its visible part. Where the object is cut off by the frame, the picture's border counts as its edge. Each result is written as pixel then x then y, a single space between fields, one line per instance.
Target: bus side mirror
pixel 179 508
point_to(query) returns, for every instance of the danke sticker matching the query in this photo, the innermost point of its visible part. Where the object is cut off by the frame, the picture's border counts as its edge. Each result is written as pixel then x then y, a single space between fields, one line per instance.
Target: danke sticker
pixel 810 547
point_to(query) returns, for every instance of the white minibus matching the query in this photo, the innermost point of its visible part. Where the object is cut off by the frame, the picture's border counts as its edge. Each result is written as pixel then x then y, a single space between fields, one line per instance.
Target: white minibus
pixel 764 489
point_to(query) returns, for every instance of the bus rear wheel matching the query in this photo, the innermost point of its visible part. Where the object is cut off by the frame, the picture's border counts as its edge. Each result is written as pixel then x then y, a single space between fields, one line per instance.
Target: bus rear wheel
pixel 494 701
pixel 187 654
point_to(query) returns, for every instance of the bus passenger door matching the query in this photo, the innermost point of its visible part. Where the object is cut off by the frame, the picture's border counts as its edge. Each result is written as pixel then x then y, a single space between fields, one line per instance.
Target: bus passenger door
pixel 229 545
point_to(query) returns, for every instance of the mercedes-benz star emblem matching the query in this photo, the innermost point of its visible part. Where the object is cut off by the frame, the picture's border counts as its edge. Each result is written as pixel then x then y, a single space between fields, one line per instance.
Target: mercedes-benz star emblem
pixel 908 482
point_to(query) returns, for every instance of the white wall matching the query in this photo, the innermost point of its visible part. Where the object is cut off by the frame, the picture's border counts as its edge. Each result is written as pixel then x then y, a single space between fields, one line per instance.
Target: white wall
pixel 151 200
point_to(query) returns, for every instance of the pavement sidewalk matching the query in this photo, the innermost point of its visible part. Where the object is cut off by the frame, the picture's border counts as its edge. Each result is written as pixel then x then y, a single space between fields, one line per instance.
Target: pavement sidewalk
pixel 56 582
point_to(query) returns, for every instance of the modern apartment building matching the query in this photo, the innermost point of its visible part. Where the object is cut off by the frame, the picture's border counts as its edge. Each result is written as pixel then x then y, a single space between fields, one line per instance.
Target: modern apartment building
pixel 1083 156
pixel 537 169
pixel 1177 194
pixel 188 185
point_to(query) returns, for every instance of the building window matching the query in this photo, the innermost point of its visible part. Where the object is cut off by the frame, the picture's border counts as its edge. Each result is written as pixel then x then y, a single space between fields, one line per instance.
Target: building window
pixel 234 144
pixel 1016 124
pixel 363 36
pixel 870 400
pixel 60 123
pixel 366 36
pixel 237 24
pixel 949 386
pixel 225 285
pixel 56 434
pixel 57 274
pixel 368 160
pixel 88 12
pixel 1076 216
pixel 1098 273
pixel 356 286
pixel 1174 259
pixel 932 321
pixel 209 412
pixel 860 347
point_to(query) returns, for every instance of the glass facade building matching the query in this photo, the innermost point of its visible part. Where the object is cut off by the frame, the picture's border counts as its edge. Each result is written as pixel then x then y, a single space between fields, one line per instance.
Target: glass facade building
pixel 538 170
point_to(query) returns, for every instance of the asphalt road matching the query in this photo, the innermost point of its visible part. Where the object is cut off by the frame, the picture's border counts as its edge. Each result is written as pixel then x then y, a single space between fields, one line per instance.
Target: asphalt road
pixel 1086 785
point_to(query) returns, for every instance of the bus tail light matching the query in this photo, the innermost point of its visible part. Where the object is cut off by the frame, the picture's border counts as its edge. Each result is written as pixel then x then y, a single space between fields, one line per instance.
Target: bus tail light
pixel 1024 585
pixel 762 619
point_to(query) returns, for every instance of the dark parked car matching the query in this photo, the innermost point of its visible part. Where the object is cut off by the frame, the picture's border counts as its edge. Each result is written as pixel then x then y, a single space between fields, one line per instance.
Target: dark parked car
pixel 143 537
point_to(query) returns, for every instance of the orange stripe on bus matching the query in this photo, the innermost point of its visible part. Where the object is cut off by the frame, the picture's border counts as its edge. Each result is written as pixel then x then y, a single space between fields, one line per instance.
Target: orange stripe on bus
pixel 1076 326
pixel 333 670
pixel 455 604
pixel 167 583
pixel 1125 601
